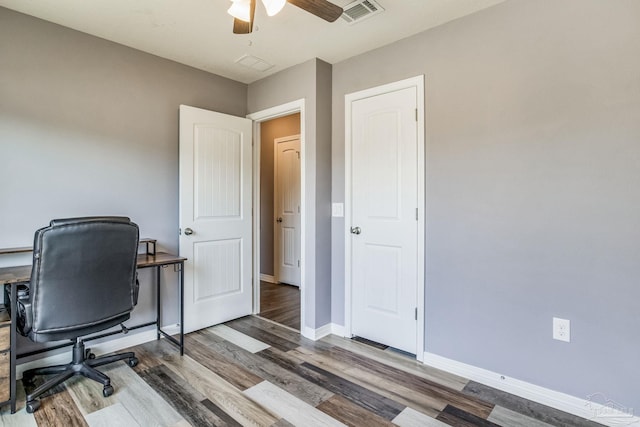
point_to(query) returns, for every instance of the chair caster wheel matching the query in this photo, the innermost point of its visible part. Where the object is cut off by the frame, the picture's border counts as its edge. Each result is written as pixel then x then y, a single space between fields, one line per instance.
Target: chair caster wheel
pixel 133 362
pixel 107 391
pixel 88 354
pixel 32 406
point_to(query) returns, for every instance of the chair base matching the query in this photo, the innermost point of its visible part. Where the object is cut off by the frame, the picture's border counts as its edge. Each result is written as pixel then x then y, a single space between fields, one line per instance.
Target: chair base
pixel 84 363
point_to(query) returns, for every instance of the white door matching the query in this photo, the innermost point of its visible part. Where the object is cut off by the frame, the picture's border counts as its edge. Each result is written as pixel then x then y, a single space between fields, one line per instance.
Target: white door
pixel 287 209
pixel 215 216
pixel 384 222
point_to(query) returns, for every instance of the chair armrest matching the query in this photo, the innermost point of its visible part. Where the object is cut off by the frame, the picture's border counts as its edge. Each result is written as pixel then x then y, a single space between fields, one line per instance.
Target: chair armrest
pixel 25 316
pixel 136 289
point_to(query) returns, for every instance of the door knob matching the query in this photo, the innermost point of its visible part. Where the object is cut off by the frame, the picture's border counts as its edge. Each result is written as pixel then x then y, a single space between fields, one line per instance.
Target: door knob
pixel 279 219
pixel 188 231
pixel 355 230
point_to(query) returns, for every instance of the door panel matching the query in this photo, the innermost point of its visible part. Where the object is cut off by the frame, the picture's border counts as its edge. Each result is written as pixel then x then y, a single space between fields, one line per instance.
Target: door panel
pixel 218 172
pixel 218 271
pixel 382 275
pixel 384 201
pixel 215 205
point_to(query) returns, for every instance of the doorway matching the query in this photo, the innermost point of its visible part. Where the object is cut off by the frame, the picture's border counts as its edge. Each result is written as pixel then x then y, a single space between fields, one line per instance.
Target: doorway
pixel 202 131
pixel 279 225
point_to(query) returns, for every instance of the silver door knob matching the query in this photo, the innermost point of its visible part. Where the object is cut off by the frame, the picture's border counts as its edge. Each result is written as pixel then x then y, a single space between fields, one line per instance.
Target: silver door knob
pixel 188 231
pixel 356 230
pixel 279 219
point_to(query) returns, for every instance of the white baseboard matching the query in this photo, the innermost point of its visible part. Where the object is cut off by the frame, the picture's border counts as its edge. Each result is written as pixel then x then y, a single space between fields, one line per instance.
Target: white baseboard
pixel 316 334
pixel 339 330
pixel 125 341
pixel 267 278
pixel 610 413
pixel 323 331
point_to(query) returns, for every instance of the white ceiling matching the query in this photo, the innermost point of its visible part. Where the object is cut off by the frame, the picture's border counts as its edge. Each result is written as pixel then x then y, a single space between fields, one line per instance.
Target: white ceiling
pixel 199 32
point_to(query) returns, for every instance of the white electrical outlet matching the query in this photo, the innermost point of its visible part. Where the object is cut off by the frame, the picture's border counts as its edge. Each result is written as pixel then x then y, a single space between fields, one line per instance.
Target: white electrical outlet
pixel 561 329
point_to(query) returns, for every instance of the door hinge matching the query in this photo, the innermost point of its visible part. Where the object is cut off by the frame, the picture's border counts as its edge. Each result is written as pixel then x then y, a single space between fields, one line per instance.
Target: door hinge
pixel 416 214
pixel 298 153
pixel 298 263
pixel 416 114
pixel 416 313
pixel 179 231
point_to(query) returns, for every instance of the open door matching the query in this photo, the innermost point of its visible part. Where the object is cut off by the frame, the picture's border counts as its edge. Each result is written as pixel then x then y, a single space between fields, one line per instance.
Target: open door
pixel 215 216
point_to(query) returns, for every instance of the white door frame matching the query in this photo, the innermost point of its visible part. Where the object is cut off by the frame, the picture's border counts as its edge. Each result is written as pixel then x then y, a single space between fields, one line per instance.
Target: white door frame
pixel 418 83
pixel 259 117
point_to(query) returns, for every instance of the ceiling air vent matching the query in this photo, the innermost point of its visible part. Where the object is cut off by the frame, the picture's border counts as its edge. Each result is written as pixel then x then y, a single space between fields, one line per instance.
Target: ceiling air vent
pixel 359 10
pixel 254 63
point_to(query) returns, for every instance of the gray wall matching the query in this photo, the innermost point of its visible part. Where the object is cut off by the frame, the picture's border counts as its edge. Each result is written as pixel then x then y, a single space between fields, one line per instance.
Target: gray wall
pixel 310 80
pixel 90 127
pixel 533 210
pixel 269 131
pixel 324 76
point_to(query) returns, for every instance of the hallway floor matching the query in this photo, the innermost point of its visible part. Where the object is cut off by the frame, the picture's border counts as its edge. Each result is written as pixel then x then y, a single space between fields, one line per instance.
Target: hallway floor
pixel 280 303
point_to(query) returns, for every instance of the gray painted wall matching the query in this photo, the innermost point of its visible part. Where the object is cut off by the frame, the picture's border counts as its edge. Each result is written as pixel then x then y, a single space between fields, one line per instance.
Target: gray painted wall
pixel 90 127
pixel 324 83
pixel 310 80
pixel 269 131
pixel 533 210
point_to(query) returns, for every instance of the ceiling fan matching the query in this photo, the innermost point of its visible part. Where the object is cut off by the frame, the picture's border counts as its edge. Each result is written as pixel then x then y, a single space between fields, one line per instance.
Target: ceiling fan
pixel 244 10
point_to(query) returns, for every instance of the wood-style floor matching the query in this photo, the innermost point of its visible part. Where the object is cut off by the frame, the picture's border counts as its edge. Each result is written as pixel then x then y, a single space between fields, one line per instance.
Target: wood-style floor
pixel 253 372
pixel 280 303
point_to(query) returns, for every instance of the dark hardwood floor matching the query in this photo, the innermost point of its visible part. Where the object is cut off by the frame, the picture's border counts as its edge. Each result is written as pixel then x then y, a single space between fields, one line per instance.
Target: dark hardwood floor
pixel 253 372
pixel 280 303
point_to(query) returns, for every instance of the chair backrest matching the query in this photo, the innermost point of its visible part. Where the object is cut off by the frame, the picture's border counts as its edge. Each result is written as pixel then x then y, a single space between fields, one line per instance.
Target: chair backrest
pixel 83 276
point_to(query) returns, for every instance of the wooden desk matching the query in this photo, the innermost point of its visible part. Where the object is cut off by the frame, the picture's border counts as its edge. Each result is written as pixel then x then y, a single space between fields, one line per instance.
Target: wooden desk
pixel 22 274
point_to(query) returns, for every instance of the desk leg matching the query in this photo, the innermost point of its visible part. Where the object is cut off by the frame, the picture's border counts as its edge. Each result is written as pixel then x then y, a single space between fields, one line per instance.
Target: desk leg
pixel 181 285
pixel 13 347
pixel 158 304
pixel 178 267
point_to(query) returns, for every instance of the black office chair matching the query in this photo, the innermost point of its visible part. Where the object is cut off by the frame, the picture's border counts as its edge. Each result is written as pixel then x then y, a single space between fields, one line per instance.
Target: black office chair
pixel 83 281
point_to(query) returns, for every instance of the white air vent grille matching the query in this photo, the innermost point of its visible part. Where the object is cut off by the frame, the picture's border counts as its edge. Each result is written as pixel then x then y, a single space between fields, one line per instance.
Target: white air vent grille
pixel 254 63
pixel 359 10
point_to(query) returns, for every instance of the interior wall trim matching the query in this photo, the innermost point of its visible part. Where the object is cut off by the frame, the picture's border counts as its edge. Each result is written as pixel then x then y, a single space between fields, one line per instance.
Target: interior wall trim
pixel 316 334
pixel 610 414
pixel 267 278
pixel 339 330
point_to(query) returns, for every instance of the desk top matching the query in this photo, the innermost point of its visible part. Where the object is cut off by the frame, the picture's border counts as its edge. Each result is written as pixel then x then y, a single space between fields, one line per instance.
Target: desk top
pixel 160 258
pixel 19 274
pixel 6 251
pixel 22 273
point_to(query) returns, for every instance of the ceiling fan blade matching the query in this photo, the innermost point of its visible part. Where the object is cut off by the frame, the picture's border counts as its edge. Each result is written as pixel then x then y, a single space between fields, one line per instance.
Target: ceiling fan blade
pixel 321 8
pixel 243 27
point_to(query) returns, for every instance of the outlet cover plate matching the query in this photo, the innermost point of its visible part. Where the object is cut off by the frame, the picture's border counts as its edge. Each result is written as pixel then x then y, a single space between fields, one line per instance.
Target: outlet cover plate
pixel 561 329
